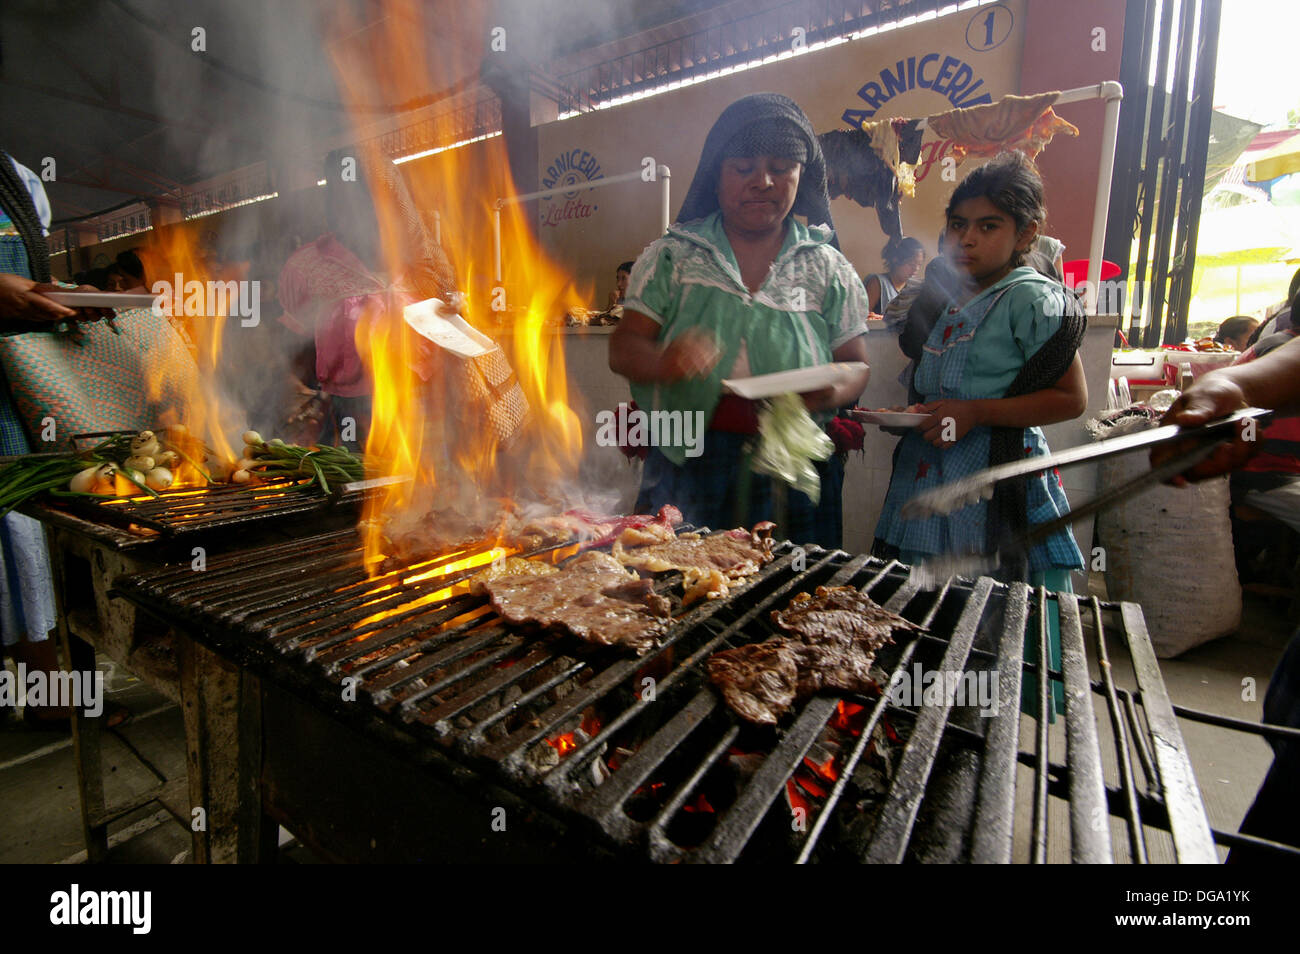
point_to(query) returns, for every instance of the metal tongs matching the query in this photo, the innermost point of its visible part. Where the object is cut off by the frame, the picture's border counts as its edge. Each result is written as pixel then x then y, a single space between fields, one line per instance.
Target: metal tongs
pixel 969 490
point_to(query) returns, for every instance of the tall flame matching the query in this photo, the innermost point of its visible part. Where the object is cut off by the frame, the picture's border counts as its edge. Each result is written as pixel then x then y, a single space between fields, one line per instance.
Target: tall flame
pixel 442 419
pixel 176 264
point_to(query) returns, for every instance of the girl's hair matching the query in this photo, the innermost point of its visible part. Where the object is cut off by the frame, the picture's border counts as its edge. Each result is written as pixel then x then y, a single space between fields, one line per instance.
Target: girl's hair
pixel 899 251
pixel 1012 184
pixel 1232 327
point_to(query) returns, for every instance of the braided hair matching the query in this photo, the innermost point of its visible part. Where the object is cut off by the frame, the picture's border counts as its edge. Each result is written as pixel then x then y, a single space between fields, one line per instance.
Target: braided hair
pixel 18 205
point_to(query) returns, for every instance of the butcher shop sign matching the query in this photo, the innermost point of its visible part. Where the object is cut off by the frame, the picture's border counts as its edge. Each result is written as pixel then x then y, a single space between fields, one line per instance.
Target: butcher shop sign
pixel 948 76
pixel 570 168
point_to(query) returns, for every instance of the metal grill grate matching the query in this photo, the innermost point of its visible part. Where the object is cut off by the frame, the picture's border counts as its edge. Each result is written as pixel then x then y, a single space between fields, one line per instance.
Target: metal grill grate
pixel 188 511
pixel 643 752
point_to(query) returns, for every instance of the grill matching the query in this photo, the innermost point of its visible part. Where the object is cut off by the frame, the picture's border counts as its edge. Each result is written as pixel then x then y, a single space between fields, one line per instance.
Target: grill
pixel 643 759
pixel 189 512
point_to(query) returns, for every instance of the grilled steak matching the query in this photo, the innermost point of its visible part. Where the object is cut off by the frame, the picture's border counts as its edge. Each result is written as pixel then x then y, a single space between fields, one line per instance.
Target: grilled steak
pixel 833 643
pixel 510 566
pixel 839 614
pixel 759 681
pixel 843 665
pixel 594 598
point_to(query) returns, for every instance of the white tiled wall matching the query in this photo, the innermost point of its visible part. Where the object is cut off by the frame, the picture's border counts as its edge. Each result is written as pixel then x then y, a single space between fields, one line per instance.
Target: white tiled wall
pixel 604 469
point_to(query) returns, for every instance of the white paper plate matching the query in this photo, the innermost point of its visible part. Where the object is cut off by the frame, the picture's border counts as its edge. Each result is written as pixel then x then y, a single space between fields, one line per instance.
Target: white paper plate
pixel 890 418
pixel 798 381
pixel 447 329
pixel 100 299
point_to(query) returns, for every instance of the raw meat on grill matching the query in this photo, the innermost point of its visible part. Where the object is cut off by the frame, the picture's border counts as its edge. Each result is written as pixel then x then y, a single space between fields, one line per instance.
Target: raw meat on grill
pixel 593 529
pixel 835 635
pixel 647 536
pixel 708 564
pixel 605 530
pixel 594 598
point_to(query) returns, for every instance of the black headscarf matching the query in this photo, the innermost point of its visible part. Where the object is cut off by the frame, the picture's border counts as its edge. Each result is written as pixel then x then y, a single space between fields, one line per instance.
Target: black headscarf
pixel 762 124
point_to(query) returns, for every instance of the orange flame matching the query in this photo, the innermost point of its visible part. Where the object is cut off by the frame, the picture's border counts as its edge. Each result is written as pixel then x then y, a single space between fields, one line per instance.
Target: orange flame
pixel 437 596
pixel 175 262
pixel 568 741
pixel 434 418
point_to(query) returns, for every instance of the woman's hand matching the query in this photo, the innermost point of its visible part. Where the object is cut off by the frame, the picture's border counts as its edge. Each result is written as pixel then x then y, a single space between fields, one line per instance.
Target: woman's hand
pixel 25 300
pixel 691 355
pixel 21 298
pixel 950 420
pixel 634 352
pixel 847 393
pixel 1207 400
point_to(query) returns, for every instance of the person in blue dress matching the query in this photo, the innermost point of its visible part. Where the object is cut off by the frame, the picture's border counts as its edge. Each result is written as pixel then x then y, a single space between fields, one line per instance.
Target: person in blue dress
pixel 27 607
pixel 1000 362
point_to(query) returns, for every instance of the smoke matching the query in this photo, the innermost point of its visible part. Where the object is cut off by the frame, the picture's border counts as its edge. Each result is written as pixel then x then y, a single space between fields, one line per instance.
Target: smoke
pixel 236 84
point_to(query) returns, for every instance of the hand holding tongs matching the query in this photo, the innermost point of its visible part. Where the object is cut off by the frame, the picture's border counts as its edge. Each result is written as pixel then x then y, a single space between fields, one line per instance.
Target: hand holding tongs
pixel 960 493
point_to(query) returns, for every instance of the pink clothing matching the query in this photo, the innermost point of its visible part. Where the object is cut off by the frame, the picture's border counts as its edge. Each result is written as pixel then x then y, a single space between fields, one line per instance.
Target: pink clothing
pixel 327 292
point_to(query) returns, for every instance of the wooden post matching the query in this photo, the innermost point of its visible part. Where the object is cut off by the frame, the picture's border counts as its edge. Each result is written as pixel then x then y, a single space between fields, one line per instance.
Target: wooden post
pixel 222 709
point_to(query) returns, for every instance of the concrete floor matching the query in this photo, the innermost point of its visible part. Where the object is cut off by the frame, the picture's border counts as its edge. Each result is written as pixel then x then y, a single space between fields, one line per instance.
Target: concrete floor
pixel 41 820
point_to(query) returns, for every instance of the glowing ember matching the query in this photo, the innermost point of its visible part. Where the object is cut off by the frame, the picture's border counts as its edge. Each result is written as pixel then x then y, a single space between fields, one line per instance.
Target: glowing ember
pixel 568 741
pixel 825 770
pixel 563 744
pixel 699 805
pixel 849 717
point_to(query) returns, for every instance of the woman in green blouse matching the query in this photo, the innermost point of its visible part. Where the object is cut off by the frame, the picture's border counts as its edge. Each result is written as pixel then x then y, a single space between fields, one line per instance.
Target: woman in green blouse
pixel 739 287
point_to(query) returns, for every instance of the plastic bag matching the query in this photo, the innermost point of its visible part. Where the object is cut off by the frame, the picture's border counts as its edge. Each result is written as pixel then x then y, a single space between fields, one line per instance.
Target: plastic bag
pixel 789 443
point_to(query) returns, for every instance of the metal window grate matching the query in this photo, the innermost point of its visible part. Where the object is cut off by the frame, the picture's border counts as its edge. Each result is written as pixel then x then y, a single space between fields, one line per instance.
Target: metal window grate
pixel 743 41
pixel 1167 72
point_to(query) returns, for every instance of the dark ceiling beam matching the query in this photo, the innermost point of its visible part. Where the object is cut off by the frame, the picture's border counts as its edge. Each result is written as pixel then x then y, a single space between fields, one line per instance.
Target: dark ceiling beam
pixel 71 207
pixel 123 109
pixel 109 187
pixel 72 64
pixel 145 175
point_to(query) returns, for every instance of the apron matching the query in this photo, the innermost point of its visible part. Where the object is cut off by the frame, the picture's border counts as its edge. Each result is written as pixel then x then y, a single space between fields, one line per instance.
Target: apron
pixel 920 466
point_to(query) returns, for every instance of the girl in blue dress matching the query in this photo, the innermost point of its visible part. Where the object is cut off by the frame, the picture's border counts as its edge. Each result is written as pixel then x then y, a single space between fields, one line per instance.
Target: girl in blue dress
pixel 1000 362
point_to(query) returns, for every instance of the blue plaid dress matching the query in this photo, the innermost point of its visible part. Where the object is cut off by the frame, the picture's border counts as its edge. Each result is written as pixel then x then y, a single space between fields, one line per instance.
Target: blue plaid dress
pixel 26 582
pixel 1016 317
pixel 956 363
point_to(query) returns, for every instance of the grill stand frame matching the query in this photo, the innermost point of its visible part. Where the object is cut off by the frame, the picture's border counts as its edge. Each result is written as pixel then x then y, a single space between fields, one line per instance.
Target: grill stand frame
pixel 283 662
pixel 221 704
